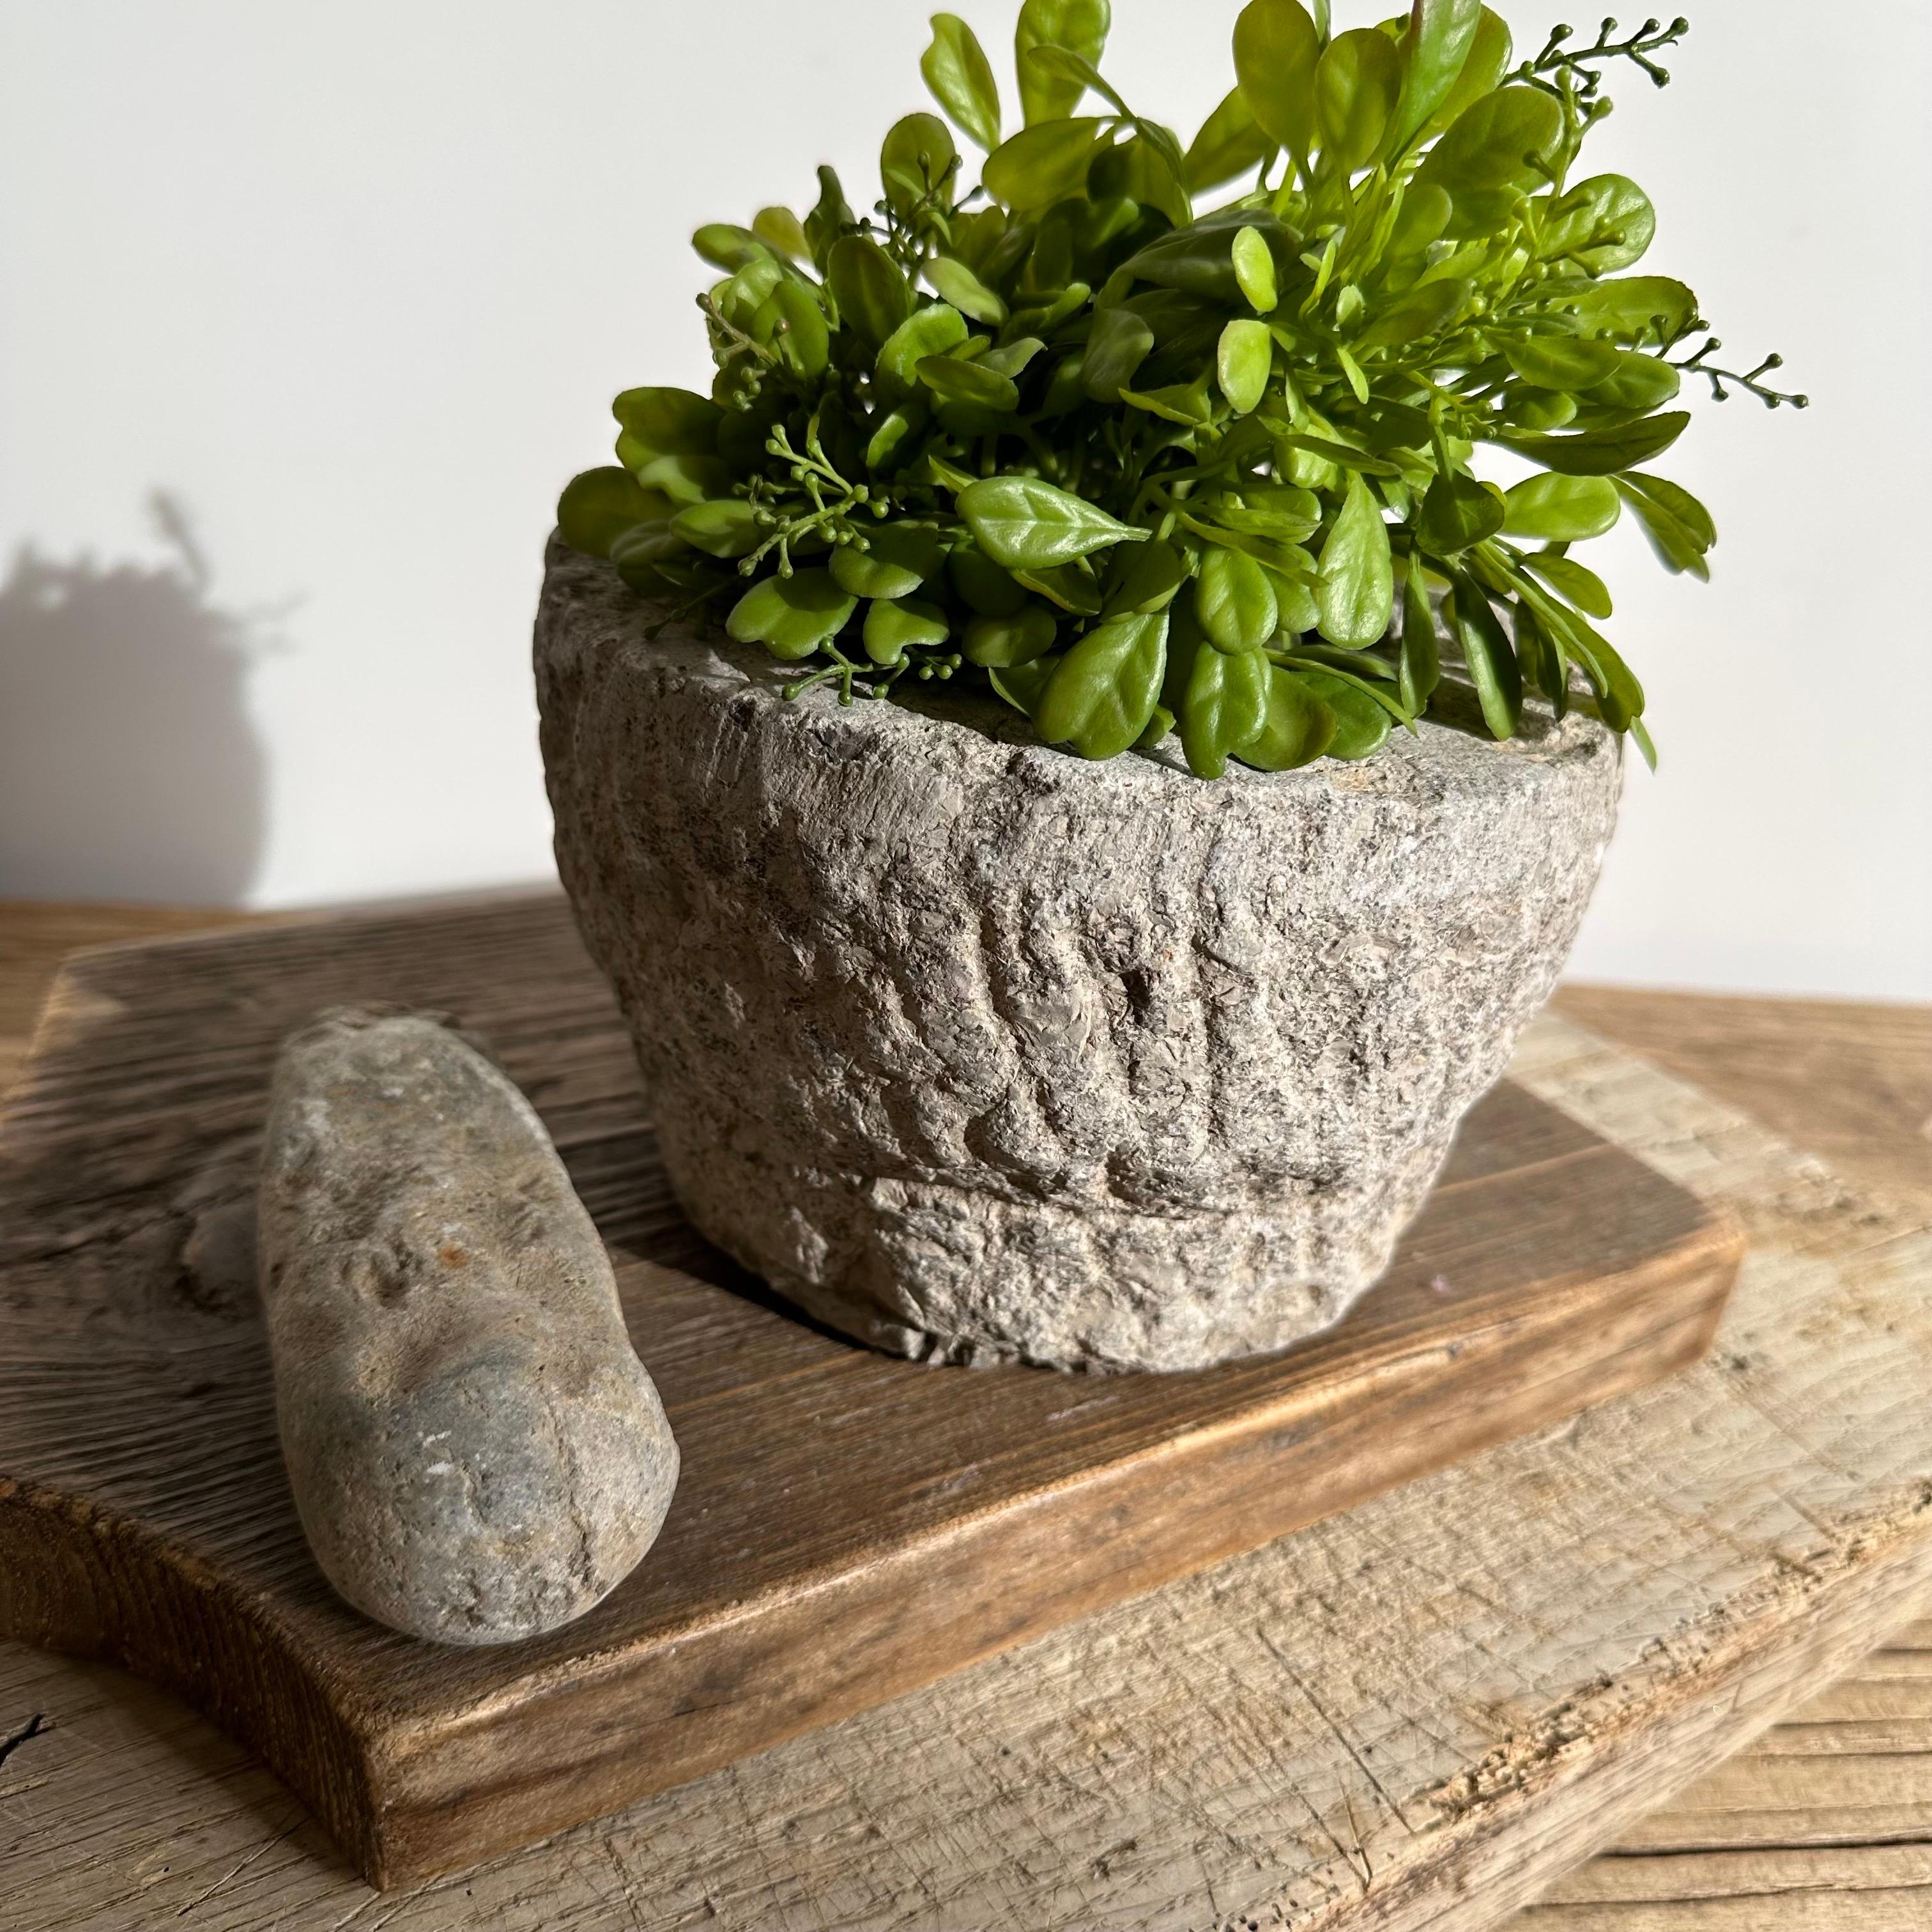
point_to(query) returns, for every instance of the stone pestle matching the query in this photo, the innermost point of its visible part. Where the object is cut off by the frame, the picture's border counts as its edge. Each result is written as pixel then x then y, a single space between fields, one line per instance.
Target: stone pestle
pixel 477 1454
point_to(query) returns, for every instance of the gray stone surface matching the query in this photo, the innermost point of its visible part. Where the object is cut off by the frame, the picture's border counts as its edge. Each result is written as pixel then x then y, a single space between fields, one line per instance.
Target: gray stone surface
pixel 979 1051
pixel 476 1452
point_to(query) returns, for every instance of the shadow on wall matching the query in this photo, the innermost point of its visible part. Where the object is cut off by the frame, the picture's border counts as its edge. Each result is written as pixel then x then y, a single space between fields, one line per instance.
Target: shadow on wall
pixel 129 767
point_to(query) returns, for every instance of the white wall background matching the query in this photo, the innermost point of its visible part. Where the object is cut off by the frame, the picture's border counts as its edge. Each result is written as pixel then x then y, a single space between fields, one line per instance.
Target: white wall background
pixel 353 286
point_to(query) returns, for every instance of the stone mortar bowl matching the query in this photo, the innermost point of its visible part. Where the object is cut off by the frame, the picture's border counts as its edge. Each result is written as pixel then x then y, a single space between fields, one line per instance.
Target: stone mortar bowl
pixel 978 1051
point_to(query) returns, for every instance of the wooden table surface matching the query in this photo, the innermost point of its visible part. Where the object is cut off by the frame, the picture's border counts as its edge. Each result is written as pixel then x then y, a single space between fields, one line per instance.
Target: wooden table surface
pixel 1824 1824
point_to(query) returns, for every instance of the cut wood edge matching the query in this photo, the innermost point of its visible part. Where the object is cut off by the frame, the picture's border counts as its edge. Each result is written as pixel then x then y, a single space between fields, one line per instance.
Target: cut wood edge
pixel 1589 1765
pixel 409 1799
pixel 76 1571
pixel 440 1778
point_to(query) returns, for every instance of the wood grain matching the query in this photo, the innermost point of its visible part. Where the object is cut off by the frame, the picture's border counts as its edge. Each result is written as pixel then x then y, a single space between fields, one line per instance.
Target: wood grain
pixel 1163 1764
pixel 35 937
pixel 1852 1083
pixel 1823 1825
pixel 847 1526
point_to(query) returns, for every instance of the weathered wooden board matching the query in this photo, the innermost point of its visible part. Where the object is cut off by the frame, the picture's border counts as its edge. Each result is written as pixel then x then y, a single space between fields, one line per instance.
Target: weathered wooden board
pixel 1193 1758
pixel 847 1527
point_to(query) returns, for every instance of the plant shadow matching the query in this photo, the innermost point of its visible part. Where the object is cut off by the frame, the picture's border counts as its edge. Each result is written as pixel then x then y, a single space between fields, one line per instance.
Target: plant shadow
pixel 129 768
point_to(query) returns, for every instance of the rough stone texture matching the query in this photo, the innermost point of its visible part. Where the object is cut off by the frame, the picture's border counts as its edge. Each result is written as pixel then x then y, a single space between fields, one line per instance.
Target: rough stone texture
pixel 976 1051
pixel 476 1452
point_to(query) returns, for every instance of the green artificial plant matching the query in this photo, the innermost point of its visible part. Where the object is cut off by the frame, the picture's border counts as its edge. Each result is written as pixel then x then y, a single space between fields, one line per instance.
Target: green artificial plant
pixel 1143 468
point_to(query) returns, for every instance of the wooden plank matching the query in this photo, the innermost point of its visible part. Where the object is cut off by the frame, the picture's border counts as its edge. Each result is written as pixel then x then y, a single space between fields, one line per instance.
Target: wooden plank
pixel 1796 1828
pixel 1169 1722
pixel 848 1527
pixel 36 936
pixel 1852 1083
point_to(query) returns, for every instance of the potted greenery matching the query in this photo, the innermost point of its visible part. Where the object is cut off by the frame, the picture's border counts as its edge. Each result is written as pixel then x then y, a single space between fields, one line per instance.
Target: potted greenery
pixel 1143 1057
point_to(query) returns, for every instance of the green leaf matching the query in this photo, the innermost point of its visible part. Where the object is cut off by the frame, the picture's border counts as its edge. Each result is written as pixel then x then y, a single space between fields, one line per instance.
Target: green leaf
pixel 1540 411
pixel 1424 215
pixel 1160 728
pixel 1362 726
pixel 902 557
pixel 1568 578
pixel 1141 171
pixel 687 479
pixel 983 586
pixel 1081 26
pixel 1244 363
pixel 1298 728
pixel 652 560
pixel 1145 578
pixel 599 506
pixel 873 298
pixel 1023 685
pixel 1103 692
pixel 953 380
pixel 1680 528
pixel 1199 259
pixel 1023 523
pixel 1396 426
pixel 958 285
pixel 727 246
pixel 1358 84
pixel 1602 452
pixel 892 441
pixel 1435 49
pixel 740 299
pixel 1493 664
pixel 1459 511
pixel 801 333
pixel 1480 212
pixel 670 422
pixel 1488 60
pixel 1638 383
pixel 1345 454
pixel 1042 164
pixel 1073 586
pixel 792 616
pixel 1495 143
pixel 831 218
pixel 778 228
pixel 1276 510
pixel 1619 696
pixel 1423 310
pixel 1014 358
pixel 961 77
pixel 919 154
pixel 1277 52
pixel 1562 509
pixel 1561 361
pixel 1286 561
pixel 893 627
pixel 1120 342
pixel 1420 670
pixel 1235 601
pixel 1254 271
pixel 1603 224
pixel 1300 614
pixel 1050 65
pixel 726 529
pixel 1637 308
pixel 1355 592
pixel 999 643
pixel 1541 658
pixel 1183 403
pixel 1225 705
pixel 1231 142
pixel 933 330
